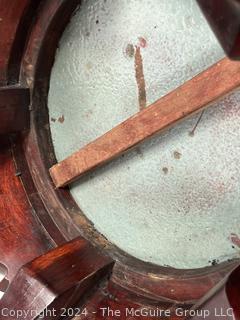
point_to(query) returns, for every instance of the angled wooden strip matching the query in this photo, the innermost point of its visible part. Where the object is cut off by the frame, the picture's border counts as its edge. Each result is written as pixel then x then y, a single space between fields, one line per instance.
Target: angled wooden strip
pixel 49 280
pixel 194 95
pixel 14 109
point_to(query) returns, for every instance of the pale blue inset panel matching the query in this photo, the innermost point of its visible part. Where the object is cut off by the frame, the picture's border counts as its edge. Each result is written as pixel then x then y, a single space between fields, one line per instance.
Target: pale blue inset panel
pixel 175 200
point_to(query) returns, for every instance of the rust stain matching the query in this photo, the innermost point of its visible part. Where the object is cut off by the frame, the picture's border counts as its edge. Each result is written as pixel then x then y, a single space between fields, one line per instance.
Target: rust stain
pixel 192 132
pixel 165 170
pixel 61 119
pixel 235 239
pixel 130 50
pixel 140 78
pixel 177 155
pixel 142 42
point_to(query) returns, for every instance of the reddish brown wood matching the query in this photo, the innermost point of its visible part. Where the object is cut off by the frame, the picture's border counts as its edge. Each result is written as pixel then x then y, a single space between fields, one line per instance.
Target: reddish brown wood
pixel 232 291
pixel 55 208
pixel 110 301
pixel 12 20
pixel 222 302
pixel 22 238
pixel 14 109
pixel 192 96
pixel 51 19
pixel 224 18
pixel 179 286
pixel 39 283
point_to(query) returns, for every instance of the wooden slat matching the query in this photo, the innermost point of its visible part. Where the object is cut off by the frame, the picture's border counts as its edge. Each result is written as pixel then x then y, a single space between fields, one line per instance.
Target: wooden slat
pixel 14 109
pixel 194 95
pixel 51 279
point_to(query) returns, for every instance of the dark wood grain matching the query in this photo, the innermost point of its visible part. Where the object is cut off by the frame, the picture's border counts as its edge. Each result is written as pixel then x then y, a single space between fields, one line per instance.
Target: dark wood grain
pixel 51 19
pixel 194 95
pixel 20 38
pixel 55 208
pixel 222 301
pixel 41 282
pixel 179 286
pixel 111 301
pixel 44 216
pixel 12 21
pixel 224 19
pixel 14 109
pixel 22 238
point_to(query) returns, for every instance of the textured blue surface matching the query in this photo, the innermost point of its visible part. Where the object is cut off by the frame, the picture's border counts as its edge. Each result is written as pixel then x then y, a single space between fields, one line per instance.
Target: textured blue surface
pixel 174 200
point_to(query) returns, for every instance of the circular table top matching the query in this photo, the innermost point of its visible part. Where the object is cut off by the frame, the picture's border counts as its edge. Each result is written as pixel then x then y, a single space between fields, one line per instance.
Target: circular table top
pixel 174 200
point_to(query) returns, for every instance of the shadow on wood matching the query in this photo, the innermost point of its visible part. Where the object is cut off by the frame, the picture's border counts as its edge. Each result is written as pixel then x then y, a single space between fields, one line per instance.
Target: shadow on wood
pixel 14 109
